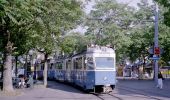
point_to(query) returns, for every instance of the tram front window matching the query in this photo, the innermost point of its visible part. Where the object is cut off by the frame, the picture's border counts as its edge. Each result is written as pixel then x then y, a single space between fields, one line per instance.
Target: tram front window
pixel 104 62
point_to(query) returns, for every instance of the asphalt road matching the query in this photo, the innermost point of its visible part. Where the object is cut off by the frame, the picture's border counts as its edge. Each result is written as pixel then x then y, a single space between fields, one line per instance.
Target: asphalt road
pixel 125 90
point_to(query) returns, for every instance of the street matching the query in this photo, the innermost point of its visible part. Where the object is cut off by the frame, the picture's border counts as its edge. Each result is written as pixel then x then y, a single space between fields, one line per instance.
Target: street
pixel 125 90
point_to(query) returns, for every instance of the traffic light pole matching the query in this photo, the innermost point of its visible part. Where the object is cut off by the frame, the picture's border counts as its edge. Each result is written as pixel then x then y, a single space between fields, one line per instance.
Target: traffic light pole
pixel 156 43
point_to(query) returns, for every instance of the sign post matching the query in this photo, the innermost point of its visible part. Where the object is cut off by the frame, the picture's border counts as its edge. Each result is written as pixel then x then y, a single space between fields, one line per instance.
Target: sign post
pixel 156 46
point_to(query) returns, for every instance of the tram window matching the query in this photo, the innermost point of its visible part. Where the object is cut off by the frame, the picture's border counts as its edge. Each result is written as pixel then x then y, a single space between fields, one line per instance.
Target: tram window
pixel 78 63
pixel 68 64
pixel 59 65
pixel 75 64
pixel 90 64
pixel 104 62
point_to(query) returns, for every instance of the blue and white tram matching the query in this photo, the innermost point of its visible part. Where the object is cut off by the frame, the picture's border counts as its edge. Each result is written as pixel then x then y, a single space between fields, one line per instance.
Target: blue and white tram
pixel 93 69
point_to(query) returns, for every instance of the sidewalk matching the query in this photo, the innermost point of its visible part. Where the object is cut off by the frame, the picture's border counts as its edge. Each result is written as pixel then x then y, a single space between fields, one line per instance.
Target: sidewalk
pixel 55 91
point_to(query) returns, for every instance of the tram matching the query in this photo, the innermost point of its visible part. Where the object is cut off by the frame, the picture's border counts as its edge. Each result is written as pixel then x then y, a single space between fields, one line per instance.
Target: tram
pixel 93 70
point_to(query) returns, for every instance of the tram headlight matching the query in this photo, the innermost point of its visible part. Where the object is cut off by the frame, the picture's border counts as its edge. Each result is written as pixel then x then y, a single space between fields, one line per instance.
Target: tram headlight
pixel 105 78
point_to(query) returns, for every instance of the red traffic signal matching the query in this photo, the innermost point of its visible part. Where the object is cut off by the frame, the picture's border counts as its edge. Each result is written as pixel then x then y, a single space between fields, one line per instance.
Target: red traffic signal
pixel 156 50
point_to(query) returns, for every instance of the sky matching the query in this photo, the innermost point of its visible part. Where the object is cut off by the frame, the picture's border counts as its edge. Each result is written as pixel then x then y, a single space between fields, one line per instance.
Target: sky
pixel 130 2
pixel 88 7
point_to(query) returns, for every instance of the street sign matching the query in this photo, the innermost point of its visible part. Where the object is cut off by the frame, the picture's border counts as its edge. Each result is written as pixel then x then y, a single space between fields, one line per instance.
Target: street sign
pixel 151 51
pixel 155 57
pixel 156 50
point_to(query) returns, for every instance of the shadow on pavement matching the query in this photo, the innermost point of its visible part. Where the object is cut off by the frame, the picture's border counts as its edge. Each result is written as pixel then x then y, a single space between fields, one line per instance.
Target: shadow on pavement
pixel 60 86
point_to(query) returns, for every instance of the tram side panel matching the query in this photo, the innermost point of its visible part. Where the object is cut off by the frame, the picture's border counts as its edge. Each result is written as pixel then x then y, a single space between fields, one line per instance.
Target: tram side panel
pixel 90 80
pixel 78 71
pixel 68 72
pixel 60 71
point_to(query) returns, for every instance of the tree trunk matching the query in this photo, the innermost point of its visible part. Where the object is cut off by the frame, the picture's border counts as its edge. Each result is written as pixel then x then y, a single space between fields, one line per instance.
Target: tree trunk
pixel 45 70
pixel 45 73
pixel 7 75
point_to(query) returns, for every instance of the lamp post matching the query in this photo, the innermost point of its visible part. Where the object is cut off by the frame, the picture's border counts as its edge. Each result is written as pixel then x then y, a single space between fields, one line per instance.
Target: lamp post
pixel 31 59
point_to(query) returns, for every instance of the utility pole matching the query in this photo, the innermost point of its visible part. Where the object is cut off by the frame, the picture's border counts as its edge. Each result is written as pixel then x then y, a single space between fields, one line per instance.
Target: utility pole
pixel 156 43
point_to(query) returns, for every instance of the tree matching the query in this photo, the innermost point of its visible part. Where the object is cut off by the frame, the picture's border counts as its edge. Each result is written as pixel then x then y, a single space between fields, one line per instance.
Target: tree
pixel 16 18
pixel 110 24
pixel 164 29
pixel 74 42
pixel 166 4
pixel 164 42
pixel 142 32
pixel 59 16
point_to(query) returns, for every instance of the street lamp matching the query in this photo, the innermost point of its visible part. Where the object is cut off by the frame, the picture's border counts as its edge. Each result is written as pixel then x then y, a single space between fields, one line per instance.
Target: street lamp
pixel 31 59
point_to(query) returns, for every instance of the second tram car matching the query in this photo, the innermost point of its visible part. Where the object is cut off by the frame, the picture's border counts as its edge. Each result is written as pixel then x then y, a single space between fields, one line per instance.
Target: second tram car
pixel 93 70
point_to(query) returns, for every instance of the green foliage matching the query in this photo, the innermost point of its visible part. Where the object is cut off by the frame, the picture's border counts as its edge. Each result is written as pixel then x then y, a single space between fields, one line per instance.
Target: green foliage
pixel 166 4
pixel 35 24
pixel 164 39
pixel 142 39
pixel 58 16
pixel 143 34
pixel 142 31
pixel 110 23
pixel 28 24
pixel 16 20
pixel 73 42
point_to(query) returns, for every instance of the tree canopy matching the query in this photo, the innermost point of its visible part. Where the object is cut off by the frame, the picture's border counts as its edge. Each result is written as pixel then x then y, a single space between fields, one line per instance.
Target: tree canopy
pixel 166 15
pixel 26 24
pixel 109 23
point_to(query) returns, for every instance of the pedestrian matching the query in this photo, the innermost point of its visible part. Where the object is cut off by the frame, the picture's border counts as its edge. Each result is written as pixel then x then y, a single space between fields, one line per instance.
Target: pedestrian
pixel 30 82
pixel 21 83
pixel 160 82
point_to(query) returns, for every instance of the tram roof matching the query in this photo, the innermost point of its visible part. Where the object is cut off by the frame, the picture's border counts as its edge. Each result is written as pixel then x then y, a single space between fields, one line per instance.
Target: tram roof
pixel 91 49
pixel 97 49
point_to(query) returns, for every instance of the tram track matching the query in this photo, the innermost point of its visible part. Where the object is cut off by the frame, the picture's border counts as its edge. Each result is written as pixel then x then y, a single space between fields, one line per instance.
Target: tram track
pixel 106 95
